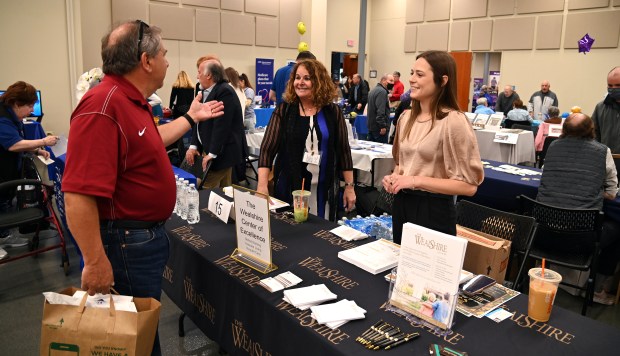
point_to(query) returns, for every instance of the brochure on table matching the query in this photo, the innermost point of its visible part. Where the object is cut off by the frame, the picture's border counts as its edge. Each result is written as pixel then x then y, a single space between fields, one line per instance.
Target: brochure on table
pixel 429 271
pixel 374 257
pixel 495 121
pixel 506 137
pixel 253 230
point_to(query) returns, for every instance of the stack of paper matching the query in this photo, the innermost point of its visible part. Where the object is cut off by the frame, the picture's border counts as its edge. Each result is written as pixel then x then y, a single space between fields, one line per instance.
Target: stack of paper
pixel 348 233
pixel 279 282
pixel 335 315
pixel 306 297
pixel 374 257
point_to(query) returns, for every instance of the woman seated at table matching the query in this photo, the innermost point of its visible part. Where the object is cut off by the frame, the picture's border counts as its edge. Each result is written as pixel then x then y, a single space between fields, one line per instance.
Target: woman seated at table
pixel 309 135
pixel 543 129
pixel 518 115
pixel 249 119
pixel 16 104
pixel 435 150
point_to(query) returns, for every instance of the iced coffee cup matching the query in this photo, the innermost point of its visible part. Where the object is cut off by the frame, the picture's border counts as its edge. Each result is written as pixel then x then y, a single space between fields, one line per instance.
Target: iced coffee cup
pixel 301 200
pixel 542 293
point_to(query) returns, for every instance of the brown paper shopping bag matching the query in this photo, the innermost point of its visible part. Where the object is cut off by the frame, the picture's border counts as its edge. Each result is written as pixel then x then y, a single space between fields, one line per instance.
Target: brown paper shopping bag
pixel 77 330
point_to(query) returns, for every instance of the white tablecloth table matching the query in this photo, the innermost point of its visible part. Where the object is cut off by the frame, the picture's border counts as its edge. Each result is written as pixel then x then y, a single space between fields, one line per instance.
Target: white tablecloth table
pixel 523 151
pixel 373 160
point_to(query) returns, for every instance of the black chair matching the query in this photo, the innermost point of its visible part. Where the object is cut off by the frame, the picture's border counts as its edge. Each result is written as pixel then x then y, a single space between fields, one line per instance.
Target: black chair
pixel 249 164
pixel 565 237
pixel 512 227
pixel 32 212
pixel 509 124
pixel 523 127
pixel 384 203
pixel 543 153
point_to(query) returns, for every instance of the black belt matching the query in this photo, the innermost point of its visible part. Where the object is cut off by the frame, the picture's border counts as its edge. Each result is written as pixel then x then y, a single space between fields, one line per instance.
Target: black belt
pixel 130 224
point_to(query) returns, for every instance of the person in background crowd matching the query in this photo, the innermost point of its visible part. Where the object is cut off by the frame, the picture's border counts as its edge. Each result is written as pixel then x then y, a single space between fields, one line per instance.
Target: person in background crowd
pixel 233 79
pixel 249 118
pixel 15 105
pixel 483 107
pixel 282 76
pixel 155 102
pixel 116 209
pixel 518 115
pixel 182 94
pixel 379 110
pixel 397 91
pixel 606 115
pixel 541 100
pixel 309 135
pixel 484 93
pixel 543 129
pixel 569 159
pixel 505 100
pixel 221 140
pixel 405 103
pixel 427 176
pixel 358 94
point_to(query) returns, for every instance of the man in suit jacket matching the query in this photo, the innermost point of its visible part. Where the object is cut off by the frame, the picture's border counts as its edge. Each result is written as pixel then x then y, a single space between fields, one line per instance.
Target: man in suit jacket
pixel 219 140
pixel 358 94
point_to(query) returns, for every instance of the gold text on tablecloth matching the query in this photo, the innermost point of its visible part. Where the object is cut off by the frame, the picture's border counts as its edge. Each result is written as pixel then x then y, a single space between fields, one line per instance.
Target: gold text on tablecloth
pixel 334 336
pixel 315 264
pixel 554 333
pixel 276 245
pixel 187 234
pixel 333 239
pixel 243 273
pixel 453 338
pixel 198 300
pixel 168 273
pixel 242 340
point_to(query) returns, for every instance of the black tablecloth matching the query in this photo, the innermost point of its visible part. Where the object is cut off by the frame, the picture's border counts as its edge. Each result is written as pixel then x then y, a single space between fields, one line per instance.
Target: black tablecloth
pixel 224 300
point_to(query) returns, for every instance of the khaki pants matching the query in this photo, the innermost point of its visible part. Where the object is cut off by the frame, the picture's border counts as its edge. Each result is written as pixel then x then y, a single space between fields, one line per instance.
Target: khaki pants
pixel 221 179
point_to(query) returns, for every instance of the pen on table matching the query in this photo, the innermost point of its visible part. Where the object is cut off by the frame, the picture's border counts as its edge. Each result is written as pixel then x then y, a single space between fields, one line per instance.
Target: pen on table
pixel 369 330
pixel 409 337
pixel 372 333
pixel 383 337
pixel 389 340
pixel 452 352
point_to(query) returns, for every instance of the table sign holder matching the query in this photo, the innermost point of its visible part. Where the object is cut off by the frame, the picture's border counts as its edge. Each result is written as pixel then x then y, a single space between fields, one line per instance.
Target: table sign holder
pixel 426 286
pixel 253 230
pixel 415 320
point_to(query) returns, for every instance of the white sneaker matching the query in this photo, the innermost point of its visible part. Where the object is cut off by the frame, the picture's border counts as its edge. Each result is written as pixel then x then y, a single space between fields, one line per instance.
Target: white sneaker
pixel 13 241
pixel 3 254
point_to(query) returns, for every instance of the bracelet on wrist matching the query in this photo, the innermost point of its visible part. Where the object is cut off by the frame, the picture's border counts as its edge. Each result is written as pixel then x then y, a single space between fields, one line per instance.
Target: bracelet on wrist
pixel 189 120
pixel 347 184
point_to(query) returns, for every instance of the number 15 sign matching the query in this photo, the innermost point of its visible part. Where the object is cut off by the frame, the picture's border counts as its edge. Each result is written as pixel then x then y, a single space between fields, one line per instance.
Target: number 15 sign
pixel 219 206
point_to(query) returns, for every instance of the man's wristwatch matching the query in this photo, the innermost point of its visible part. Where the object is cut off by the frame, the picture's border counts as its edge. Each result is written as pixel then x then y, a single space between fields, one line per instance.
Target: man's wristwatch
pixel 346 184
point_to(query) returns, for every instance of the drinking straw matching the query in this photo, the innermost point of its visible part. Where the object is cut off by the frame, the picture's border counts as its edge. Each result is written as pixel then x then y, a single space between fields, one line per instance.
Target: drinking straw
pixel 543 269
pixel 303 180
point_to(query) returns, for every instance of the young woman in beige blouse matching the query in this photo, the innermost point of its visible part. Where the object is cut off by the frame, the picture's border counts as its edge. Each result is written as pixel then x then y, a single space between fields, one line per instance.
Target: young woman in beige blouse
pixel 435 150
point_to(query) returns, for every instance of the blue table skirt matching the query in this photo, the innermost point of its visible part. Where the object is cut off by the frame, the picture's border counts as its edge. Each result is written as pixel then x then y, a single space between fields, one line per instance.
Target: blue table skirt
pixel 500 190
pixel 263 116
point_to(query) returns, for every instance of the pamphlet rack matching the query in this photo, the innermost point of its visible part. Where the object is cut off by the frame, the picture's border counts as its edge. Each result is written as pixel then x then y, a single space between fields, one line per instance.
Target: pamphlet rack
pixel 415 320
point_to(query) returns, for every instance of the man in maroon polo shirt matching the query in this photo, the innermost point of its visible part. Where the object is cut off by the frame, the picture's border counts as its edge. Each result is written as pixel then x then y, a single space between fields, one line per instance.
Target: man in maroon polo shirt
pixel 118 183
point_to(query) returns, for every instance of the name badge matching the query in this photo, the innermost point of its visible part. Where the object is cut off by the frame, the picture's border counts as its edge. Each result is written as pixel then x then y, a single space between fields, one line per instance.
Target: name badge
pixel 219 206
pixel 312 158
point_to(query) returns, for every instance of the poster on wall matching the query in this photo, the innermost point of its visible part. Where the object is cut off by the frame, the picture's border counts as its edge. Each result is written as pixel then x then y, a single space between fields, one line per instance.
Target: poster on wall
pixel 264 79
pixel 478 82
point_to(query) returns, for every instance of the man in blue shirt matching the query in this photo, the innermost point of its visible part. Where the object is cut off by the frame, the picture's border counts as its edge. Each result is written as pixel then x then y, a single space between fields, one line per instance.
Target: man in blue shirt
pixel 282 76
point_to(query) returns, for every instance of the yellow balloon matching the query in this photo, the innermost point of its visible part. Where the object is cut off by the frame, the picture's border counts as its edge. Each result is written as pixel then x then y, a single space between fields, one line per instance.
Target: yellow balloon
pixel 303 46
pixel 575 109
pixel 353 114
pixel 301 28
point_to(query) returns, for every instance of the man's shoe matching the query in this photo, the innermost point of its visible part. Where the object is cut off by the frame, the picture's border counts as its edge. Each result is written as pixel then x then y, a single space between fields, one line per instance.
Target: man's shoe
pixel 603 298
pixel 3 254
pixel 13 241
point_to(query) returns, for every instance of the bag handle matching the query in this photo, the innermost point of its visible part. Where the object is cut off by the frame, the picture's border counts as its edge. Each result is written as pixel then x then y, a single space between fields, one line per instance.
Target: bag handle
pixel 111 319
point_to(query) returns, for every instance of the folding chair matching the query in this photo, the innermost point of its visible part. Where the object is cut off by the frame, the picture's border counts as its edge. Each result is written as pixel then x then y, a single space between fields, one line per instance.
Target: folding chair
pixel 543 153
pixel 512 227
pixel 566 237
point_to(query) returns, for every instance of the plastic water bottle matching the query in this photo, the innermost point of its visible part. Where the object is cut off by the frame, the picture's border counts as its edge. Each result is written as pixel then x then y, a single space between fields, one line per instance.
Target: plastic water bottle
pixel 183 201
pixel 176 203
pixel 193 205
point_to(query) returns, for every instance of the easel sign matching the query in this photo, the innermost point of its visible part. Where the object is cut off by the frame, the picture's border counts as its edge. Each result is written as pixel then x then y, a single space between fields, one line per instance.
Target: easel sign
pixel 253 230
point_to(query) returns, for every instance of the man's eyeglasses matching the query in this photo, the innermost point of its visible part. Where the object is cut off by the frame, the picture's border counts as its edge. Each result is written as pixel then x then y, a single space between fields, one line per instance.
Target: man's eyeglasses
pixel 140 36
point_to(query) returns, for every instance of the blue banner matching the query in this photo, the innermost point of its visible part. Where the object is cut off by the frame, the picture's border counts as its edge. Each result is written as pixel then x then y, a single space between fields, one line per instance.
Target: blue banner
pixel 264 78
